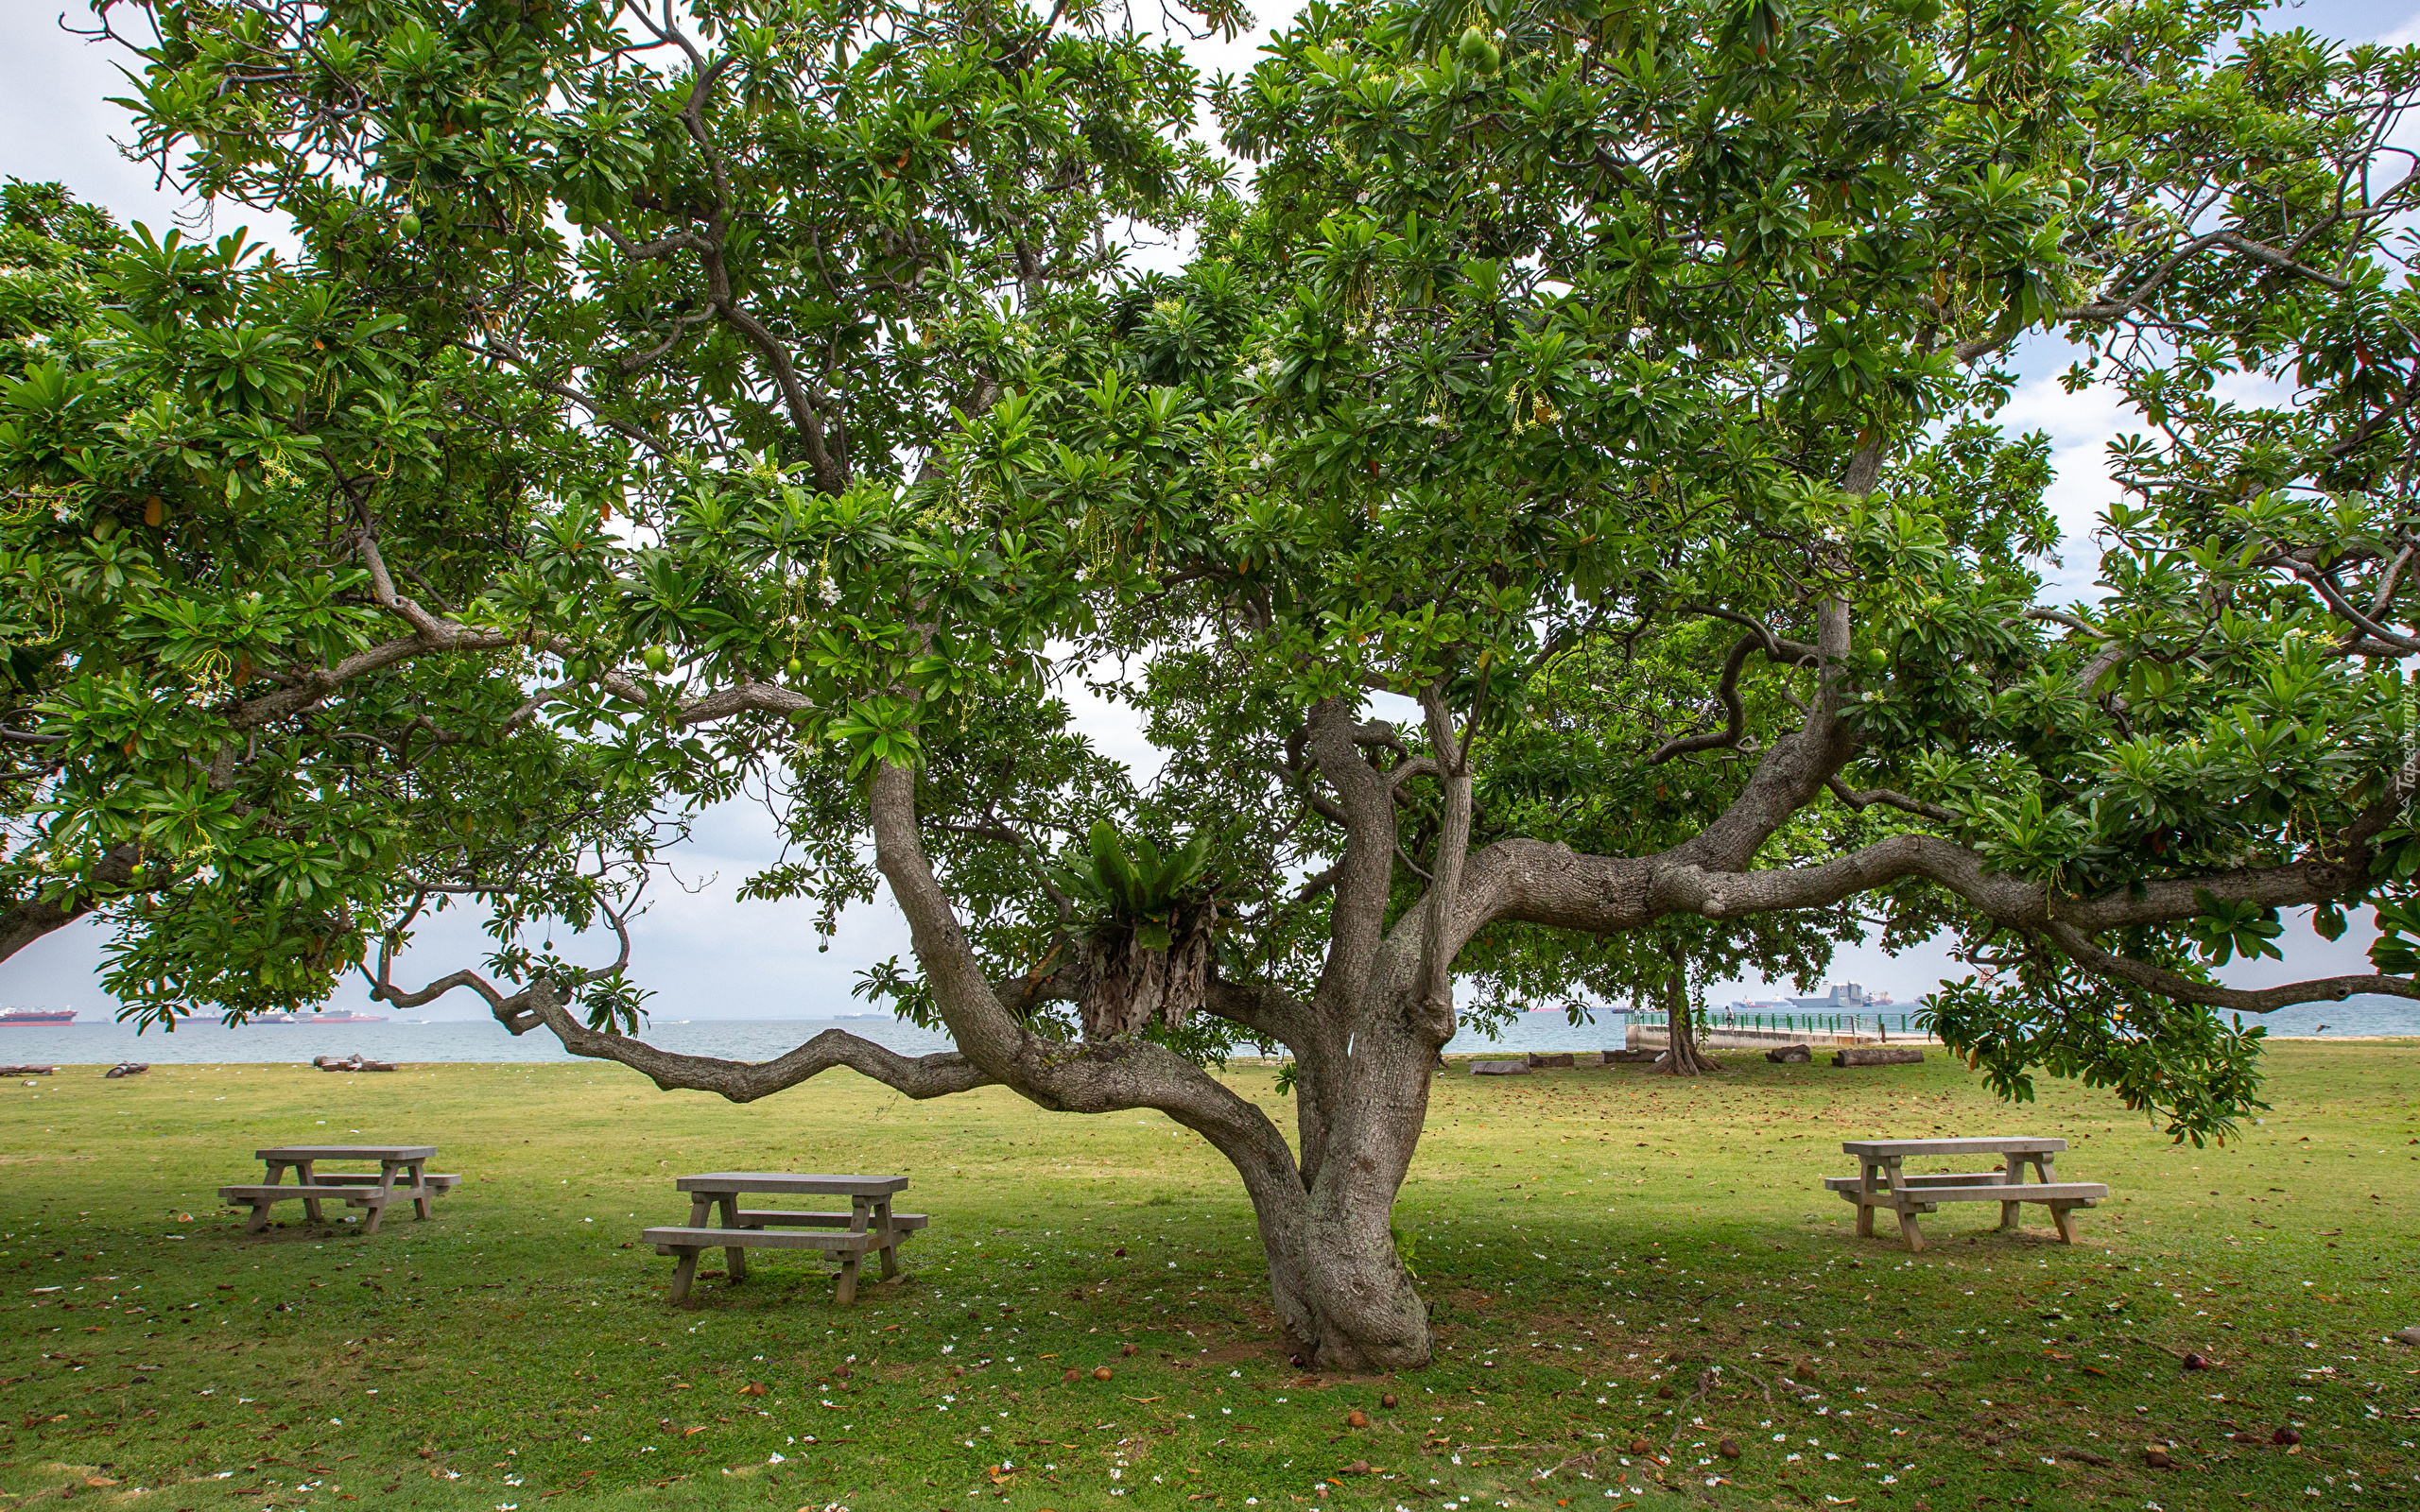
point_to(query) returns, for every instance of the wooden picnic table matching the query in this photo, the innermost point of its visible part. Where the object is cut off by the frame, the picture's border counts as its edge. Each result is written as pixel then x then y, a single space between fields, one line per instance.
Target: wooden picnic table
pixel 869 1224
pixel 1881 1182
pixel 404 1163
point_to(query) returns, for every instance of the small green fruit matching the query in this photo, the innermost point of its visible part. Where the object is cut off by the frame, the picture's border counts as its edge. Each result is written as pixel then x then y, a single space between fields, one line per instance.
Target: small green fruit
pixel 656 657
pixel 408 223
pixel 1479 51
pixel 795 667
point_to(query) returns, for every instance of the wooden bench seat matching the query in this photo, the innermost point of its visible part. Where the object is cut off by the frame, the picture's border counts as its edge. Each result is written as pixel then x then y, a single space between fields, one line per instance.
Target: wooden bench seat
pixel 2080 1193
pixel 353 1193
pixel 1960 1179
pixel 753 1218
pixel 1924 1193
pixel 850 1246
pixel 445 1181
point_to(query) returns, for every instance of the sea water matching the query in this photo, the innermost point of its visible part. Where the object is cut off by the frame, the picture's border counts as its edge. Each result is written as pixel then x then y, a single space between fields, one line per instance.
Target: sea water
pixel 207 1041
pixel 210 1042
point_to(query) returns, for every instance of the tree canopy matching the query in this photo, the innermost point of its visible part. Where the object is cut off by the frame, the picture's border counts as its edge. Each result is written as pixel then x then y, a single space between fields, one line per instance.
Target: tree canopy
pixel 1556 513
pixel 235 728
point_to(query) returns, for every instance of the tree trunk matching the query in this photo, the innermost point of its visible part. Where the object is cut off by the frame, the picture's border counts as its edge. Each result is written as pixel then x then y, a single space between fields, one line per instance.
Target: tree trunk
pixel 1364 1312
pixel 1684 1058
pixel 1333 1272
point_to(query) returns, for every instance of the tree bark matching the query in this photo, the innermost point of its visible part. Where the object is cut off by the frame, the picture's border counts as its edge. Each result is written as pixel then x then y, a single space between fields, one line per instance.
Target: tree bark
pixel 1683 1058
pixel 1365 1312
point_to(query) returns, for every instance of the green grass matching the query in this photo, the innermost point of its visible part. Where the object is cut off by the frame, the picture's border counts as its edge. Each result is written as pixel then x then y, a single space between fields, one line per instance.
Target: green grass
pixel 1590 1239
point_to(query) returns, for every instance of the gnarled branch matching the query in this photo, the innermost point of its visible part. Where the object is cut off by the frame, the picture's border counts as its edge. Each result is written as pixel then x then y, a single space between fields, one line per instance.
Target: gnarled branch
pixel 2169 984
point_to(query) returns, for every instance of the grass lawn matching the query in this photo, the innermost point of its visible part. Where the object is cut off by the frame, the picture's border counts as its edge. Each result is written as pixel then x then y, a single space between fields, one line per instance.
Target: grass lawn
pixel 1613 1257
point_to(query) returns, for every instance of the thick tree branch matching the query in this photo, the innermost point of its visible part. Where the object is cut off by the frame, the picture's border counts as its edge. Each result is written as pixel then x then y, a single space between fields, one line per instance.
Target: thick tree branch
pixel 1433 986
pixel 119 873
pixel 1273 1014
pixel 1796 767
pixel 743 1081
pixel 1365 873
pixel 2209 994
pixel 1530 882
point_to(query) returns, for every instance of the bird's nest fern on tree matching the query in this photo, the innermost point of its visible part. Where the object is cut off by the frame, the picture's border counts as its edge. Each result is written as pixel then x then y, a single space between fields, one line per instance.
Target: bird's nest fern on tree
pixel 1144 932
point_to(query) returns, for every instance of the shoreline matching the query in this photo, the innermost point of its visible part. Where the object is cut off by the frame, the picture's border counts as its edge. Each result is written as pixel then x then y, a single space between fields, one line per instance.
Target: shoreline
pixel 1456 1058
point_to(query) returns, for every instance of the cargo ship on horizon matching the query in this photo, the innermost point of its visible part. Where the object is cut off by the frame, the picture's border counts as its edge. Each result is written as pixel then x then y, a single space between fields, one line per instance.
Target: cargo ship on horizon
pixel 50 1018
pixel 312 1018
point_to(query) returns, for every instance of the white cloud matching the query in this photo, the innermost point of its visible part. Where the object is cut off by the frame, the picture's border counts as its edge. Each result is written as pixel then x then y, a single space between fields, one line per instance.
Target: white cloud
pixel 57 121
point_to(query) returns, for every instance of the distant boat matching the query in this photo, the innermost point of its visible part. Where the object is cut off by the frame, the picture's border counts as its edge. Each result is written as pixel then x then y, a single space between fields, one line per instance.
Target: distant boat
pixel 42 1016
pixel 314 1018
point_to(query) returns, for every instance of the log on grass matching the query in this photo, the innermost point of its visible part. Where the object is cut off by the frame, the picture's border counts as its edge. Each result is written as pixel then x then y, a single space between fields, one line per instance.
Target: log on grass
pixel 352 1062
pixel 1879 1055
pixel 1499 1067
pixel 126 1068
pixel 28 1070
pixel 1790 1055
pixel 1551 1059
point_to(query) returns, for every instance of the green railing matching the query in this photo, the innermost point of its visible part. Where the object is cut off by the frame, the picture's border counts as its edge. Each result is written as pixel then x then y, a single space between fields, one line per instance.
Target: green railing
pixel 1827 1022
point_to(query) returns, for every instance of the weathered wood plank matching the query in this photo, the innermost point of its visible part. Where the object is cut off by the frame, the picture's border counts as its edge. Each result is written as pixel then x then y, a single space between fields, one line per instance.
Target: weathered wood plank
pixel 318 1191
pixel 1499 1067
pixel 2013 1192
pixel 667 1240
pixel 755 1218
pixel 291 1153
pixel 2083 1191
pixel 791 1182
pixel 436 1181
pixel 1962 1179
pixel 1911 1149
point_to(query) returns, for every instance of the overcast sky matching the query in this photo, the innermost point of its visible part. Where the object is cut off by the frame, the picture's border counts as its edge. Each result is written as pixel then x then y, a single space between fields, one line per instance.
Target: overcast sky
pixel 708 956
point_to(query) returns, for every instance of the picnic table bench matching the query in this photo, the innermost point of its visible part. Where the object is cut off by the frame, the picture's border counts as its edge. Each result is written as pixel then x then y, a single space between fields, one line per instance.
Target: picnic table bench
pixel 869 1224
pixel 405 1164
pixel 1880 1182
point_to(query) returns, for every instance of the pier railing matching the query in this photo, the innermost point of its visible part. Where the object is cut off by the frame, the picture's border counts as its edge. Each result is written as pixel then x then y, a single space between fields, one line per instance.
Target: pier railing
pixel 1884 1025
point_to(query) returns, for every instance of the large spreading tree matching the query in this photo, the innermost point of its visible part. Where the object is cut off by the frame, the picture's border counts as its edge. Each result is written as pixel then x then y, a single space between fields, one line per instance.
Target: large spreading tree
pixel 1560 498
